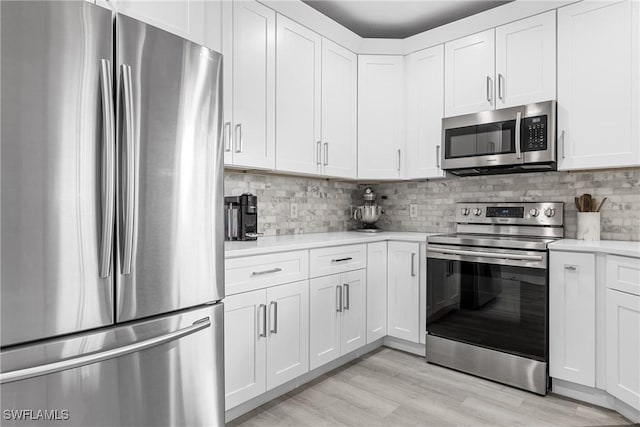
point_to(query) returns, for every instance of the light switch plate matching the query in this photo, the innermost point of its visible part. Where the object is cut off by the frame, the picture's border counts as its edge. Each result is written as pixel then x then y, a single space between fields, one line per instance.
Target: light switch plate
pixel 413 210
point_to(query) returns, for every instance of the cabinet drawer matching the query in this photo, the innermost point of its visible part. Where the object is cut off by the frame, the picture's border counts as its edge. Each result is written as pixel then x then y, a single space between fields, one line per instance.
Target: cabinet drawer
pixel 623 274
pixel 255 272
pixel 337 259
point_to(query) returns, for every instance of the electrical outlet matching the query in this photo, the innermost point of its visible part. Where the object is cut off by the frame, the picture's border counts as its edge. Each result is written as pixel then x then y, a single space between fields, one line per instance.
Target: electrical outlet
pixel 294 210
pixel 413 210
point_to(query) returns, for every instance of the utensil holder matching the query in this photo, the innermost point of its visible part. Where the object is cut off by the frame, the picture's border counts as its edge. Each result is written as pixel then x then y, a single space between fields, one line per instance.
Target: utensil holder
pixel 588 226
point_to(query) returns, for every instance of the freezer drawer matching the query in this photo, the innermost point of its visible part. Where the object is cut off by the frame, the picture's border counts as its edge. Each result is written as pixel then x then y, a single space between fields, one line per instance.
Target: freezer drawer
pixel 172 375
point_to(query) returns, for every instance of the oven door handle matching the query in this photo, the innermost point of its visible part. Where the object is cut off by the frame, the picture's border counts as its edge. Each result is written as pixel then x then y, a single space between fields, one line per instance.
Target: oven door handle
pixel 500 255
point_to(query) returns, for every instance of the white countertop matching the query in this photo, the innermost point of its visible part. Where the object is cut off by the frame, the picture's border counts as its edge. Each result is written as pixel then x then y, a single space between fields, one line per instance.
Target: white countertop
pixel 272 244
pixel 614 247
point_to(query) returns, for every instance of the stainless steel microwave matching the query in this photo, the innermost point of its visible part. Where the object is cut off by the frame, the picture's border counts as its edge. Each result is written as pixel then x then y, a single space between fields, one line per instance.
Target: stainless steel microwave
pixel 510 140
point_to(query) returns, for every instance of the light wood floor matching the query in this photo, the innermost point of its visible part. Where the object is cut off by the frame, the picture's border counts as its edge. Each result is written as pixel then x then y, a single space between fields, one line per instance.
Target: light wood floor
pixel 391 388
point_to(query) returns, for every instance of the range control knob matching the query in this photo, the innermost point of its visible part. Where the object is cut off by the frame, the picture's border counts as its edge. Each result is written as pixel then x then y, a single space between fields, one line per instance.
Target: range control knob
pixel 477 211
pixel 549 212
pixel 464 211
pixel 534 212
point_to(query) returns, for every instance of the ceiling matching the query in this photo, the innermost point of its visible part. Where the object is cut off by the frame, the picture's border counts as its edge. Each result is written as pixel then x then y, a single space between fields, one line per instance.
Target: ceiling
pixel 400 18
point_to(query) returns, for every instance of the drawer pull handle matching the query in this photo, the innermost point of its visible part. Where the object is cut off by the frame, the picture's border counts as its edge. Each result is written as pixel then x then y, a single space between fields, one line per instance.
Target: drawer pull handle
pixel 342 259
pixel 570 267
pixel 273 270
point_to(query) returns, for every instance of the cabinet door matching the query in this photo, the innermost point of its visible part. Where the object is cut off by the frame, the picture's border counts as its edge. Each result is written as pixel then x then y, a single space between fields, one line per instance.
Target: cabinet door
pixel 403 290
pixel 288 342
pixel 250 133
pixel 376 291
pixel 526 61
pixel 623 346
pixel 339 110
pixel 298 107
pixel 213 25
pixel 469 69
pixel 380 116
pixel 572 317
pixel 185 18
pixel 244 347
pixel 425 109
pixel 598 85
pixel 325 312
pixel 354 310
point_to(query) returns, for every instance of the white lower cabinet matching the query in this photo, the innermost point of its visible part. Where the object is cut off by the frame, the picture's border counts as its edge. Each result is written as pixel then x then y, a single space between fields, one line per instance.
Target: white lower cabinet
pixel 594 327
pixel 376 291
pixel 288 332
pixel 403 291
pixel 572 317
pixel 266 340
pixel 337 316
pixel 623 346
pixel 244 347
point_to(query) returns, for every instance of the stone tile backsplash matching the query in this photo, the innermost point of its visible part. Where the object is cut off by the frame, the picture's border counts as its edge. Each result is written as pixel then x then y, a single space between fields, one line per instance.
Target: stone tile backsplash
pixel 325 205
pixel 436 199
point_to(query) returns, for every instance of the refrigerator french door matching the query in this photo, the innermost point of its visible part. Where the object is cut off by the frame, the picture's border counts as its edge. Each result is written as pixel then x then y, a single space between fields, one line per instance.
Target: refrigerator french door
pixel 111 220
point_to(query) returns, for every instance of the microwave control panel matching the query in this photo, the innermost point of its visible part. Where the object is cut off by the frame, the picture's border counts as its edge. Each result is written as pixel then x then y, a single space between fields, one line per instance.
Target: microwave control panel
pixel 534 133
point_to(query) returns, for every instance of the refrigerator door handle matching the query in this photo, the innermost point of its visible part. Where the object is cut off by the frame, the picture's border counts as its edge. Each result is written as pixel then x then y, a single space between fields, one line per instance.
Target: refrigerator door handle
pixel 129 170
pixel 76 362
pixel 108 169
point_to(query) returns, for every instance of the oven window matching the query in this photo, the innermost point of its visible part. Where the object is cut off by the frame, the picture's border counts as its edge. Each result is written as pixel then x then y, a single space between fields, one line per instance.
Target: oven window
pixel 480 140
pixel 494 306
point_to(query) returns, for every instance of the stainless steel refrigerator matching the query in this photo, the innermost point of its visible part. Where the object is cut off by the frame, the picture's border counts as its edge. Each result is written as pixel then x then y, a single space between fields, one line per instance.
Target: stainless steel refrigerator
pixel 112 226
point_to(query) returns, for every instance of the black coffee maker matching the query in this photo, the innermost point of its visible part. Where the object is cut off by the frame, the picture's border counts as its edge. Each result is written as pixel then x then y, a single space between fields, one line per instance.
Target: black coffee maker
pixel 241 217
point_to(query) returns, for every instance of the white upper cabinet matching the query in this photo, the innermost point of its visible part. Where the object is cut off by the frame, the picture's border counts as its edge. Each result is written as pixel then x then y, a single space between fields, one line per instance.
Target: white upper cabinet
pixel 425 109
pixel 526 61
pixel 339 110
pixel 524 55
pixel 469 74
pixel 186 18
pixel 249 48
pixel 213 25
pixel 298 98
pixel 380 116
pixel 598 85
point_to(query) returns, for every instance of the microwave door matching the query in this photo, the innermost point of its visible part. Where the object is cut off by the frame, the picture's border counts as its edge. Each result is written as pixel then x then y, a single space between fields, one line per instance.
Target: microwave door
pixel 491 138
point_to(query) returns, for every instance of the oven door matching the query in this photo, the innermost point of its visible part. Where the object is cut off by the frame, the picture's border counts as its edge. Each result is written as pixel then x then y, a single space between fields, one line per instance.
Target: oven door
pixel 490 138
pixel 493 298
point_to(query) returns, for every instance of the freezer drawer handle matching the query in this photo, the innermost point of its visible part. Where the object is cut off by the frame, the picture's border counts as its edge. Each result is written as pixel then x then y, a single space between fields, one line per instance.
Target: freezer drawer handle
pixel 76 362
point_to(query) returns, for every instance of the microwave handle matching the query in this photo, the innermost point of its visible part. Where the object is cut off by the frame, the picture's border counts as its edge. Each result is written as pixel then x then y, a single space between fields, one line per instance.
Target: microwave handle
pixel 518 148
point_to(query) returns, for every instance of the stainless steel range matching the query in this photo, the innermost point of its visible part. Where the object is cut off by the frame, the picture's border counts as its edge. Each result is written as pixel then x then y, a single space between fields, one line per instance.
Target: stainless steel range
pixel 487 292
